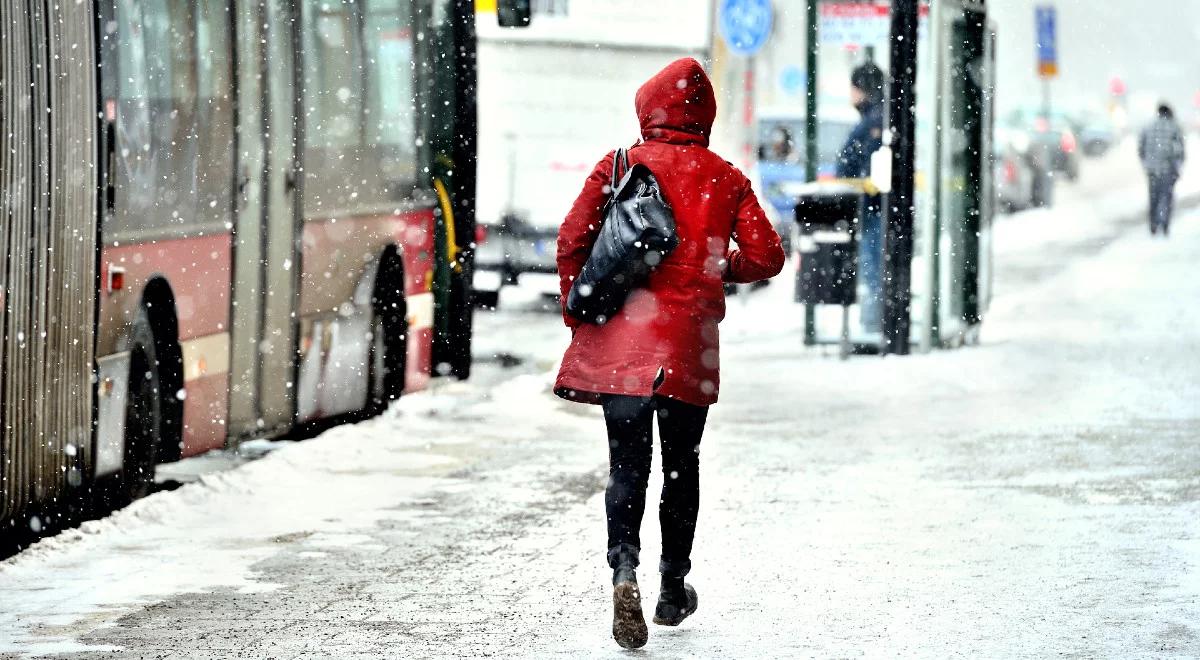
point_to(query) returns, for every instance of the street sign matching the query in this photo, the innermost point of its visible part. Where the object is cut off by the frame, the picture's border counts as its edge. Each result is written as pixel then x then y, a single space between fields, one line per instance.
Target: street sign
pixel 855 26
pixel 1045 18
pixel 745 24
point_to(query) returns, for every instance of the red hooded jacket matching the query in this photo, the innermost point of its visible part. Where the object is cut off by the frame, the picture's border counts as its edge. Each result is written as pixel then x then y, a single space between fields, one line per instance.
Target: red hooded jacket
pixel 664 340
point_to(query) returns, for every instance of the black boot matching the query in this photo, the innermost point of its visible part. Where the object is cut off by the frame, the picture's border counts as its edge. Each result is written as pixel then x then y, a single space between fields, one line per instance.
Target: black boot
pixel 676 601
pixel 629 624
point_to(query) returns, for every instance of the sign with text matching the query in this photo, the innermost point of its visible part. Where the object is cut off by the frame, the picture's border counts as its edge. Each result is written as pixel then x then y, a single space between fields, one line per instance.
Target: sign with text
pixel 854 25
pixel 1045 18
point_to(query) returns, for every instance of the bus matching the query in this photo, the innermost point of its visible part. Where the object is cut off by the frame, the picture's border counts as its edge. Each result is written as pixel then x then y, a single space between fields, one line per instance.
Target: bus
pixel 223 219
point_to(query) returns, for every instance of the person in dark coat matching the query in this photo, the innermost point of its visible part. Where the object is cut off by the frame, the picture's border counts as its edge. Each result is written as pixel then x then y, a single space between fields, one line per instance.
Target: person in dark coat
pixel 854 162
pixel 1161 150
pixel 660 355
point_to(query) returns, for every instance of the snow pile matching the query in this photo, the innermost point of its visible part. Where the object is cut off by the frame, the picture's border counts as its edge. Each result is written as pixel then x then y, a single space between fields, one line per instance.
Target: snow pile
pixel 210 534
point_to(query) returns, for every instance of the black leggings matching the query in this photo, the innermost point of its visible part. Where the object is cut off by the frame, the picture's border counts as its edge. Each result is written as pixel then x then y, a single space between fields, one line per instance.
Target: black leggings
pixel 630 445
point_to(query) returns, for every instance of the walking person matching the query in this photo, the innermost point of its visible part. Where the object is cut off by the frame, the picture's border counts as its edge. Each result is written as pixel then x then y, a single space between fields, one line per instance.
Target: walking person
pixel 659 355
pixel 1161 150
pixel 854 162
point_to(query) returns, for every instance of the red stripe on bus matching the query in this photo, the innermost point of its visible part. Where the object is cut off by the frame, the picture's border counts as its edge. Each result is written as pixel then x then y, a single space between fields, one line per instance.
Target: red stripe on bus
pixel 205 413
pixel 420 359
pixel 198 270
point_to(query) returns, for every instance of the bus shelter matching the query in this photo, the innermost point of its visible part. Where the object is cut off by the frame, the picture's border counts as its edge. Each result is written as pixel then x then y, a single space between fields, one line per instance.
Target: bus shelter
pixel 935 172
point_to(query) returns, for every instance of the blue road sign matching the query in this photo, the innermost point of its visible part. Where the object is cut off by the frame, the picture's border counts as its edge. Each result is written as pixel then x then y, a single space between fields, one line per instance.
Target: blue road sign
pixel 1045 18
pixel 745 24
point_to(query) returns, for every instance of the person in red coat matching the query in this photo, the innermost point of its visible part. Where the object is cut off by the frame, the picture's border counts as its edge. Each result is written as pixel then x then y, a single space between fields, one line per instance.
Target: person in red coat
pixel 660 353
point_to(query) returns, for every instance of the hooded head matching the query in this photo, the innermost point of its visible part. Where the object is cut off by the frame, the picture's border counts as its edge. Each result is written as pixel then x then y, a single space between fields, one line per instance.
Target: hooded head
pixel 868 80
pixel 677 105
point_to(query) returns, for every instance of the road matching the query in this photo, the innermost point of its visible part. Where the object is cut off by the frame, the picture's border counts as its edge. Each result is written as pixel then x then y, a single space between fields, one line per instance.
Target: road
pixel 1036 495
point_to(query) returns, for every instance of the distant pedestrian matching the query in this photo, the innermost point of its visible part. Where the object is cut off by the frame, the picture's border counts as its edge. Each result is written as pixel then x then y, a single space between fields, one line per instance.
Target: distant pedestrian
pixel 1161 149
pixel 854 162
pixel 659 355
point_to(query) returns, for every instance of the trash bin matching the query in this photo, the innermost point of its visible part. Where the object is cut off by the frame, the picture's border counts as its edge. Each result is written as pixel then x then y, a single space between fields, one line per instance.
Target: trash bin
pixel 828 244
pixel 827 252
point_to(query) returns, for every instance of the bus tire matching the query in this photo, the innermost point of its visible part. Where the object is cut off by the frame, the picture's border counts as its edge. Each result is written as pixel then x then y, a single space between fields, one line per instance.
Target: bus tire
pixel 143 415
pixel 388 357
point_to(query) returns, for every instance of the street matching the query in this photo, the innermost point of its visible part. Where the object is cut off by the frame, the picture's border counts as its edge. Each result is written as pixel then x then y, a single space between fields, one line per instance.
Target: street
pixel 1048 503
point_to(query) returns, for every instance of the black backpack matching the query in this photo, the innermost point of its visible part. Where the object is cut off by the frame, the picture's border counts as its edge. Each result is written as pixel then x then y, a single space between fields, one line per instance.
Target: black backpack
pixel 637 234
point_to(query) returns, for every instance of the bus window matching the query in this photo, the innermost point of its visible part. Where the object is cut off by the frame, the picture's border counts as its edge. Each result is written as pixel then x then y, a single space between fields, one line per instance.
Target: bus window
pixel 332 95
pixel 360 151
pixel 214 111
pixel 391 122
pixel 132 175
pixel 333 75
pixel 173 154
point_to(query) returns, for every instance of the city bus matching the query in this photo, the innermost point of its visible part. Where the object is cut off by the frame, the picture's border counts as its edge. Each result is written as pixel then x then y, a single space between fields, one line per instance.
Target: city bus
pixel 223 219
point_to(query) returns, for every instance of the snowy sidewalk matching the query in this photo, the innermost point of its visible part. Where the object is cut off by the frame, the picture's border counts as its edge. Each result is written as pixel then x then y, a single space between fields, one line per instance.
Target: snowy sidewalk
pixel 1037 495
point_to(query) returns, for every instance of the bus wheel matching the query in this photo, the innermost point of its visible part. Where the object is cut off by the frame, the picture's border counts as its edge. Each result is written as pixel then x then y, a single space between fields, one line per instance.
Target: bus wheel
pixel 142 417
pixel 388 355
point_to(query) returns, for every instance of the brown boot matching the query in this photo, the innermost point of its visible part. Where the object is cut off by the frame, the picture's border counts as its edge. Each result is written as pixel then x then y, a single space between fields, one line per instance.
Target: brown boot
pixel 629 624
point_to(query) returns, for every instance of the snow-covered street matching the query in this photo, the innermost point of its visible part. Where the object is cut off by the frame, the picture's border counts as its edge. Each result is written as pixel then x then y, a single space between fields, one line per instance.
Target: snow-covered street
pixel 1036 495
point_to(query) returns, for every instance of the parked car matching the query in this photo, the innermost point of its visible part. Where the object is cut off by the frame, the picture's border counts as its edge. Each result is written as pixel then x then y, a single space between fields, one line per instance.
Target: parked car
pixel 1097 134
pixel 505 250
pixel 1031 159
pixel 1054 131
pixel 1013 176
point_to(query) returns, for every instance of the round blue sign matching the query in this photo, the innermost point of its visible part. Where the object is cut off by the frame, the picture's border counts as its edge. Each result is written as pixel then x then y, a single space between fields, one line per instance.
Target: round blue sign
pixel 745 24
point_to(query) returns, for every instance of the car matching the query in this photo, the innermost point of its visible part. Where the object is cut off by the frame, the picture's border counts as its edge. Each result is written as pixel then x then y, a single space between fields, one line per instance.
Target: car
pixel 1052 130
pixel 1013 176
pixel 507 249
pixel 1097 134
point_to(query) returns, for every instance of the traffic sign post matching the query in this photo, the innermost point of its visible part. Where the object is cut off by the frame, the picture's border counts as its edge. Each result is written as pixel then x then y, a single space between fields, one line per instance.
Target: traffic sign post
pixel 1045 19
pixel 745 26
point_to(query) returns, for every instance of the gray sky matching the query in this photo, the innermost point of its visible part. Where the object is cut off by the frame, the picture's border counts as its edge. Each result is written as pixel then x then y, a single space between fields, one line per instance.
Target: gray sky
pixel 1154 45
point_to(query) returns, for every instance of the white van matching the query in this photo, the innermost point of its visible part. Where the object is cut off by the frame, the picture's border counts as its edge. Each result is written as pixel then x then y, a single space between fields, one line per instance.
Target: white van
pixel 553 99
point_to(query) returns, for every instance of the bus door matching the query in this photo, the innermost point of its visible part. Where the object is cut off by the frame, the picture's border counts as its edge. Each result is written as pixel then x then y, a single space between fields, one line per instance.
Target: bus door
pixel 266 268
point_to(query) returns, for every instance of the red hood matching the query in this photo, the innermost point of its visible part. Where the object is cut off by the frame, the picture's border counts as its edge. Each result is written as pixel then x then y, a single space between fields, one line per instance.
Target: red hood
pixel 677 105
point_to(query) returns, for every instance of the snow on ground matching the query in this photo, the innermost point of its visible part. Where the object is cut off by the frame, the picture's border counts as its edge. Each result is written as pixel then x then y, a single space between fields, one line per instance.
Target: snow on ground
pixel 1035 495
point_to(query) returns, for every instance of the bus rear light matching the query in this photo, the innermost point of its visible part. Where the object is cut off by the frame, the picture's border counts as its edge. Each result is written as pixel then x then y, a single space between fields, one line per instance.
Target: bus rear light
pixel 481 234
pixel 115 280
pixel 106 387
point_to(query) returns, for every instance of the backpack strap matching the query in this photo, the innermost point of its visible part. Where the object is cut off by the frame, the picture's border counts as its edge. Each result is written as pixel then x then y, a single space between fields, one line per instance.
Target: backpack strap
pixel 620 166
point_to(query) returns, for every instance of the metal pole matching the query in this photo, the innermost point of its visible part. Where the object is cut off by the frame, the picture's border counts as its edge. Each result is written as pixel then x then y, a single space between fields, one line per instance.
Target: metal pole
pixel 810 99
pixel 898 236
pixel 810 135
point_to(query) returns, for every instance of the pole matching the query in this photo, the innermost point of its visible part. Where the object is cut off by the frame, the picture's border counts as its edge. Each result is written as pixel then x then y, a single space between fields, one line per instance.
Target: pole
pixel 810 100
pixel 810 134
pixel 748 134
pixel 898 236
